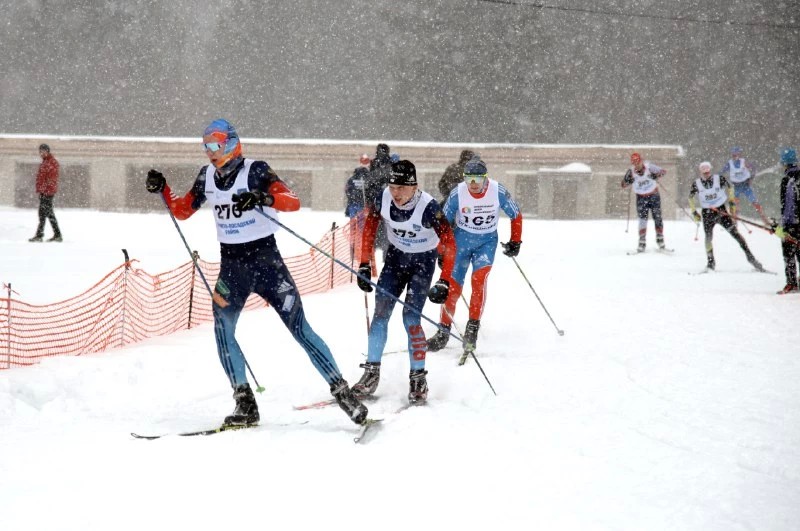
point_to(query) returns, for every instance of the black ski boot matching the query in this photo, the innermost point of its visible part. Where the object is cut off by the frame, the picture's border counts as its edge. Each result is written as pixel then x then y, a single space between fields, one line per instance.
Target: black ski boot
pixel 660 242
pixel 417 387
pixel 348 401
pixel 439 339
pixel 368 383
pixel 471 334
pixel 642 245
pixel 246 412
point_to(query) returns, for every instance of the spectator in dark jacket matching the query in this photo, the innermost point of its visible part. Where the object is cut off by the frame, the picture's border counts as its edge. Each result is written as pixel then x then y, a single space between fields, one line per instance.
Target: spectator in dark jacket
pixel 46 187
pixel 355 193
pixel 454 174
pixel 354 189
pixel 378 178
pixel 788 227
pixel 378 173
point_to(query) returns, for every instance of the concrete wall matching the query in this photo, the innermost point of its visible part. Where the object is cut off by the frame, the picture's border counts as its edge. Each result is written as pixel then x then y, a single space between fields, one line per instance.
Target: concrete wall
pixel 108 173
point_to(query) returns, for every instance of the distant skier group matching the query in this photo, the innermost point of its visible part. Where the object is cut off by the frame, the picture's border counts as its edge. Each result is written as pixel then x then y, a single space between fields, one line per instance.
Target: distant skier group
pixel 718 205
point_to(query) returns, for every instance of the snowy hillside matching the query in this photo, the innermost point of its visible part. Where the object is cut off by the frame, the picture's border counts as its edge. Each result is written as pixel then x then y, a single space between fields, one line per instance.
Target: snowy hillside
pixel 672 402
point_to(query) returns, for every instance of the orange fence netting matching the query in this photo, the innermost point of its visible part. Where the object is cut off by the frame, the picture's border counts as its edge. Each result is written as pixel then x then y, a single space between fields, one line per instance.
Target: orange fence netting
pixel 129 304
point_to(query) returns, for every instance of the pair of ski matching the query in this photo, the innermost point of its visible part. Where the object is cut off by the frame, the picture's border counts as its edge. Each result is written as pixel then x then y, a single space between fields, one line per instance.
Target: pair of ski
pixel 665 250
pixel 707 270
pixel 364 429
pixel 212 431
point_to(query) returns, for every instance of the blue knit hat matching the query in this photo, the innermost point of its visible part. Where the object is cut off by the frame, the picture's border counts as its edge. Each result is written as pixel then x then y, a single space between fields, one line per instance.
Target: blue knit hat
pixel 788 156
pixel 475 167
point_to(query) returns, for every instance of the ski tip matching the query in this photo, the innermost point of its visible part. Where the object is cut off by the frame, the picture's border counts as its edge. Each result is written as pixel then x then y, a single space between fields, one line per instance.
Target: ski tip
pixel 145 437
pixel 364 428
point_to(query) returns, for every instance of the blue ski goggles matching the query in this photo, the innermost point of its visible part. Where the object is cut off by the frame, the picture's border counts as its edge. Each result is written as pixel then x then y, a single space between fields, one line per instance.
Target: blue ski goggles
pixel 213 146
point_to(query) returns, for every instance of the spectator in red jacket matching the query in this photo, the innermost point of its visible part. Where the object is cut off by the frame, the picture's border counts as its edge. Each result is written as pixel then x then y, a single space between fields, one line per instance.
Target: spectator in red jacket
pixel 46 187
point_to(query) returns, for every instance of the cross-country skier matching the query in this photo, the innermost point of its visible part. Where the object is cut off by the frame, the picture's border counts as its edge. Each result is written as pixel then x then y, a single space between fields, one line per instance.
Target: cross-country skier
pixel 415 226
pixel 473 207
pixel 788 229
pixel 251 262
pixel 740 173
pixel 714 191
pixel 643 175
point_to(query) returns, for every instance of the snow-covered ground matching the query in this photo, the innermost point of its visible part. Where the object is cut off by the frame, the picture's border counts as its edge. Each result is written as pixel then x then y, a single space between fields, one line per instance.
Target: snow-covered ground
pixel 672 402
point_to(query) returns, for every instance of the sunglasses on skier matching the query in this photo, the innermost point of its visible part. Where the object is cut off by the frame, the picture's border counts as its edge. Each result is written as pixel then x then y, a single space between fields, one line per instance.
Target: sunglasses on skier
pixel 474 178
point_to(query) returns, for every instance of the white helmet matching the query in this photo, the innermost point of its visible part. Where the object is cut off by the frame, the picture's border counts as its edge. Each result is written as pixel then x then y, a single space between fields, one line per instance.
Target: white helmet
pixel 704 167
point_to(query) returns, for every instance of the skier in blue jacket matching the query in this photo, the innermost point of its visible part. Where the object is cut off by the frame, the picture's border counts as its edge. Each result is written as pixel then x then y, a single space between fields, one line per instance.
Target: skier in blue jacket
pixel 473 208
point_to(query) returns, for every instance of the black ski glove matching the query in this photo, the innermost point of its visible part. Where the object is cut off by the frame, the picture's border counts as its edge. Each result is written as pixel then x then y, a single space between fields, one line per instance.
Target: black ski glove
pixel 365 271
pixel 695 216
pixel 155 181
pixel 438 292
pixel 249 200
pixel 511 248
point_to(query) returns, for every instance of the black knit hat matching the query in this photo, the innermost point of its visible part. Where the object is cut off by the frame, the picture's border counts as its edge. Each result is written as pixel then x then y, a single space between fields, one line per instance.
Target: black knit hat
pixel 403 173
pixel 44 147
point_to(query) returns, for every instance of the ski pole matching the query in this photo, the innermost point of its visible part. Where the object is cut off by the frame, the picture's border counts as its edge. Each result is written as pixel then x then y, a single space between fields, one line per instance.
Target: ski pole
pixel 464 300
pixel 697 223
pixel 363 223
pixel 366 311
pixel 468 353
pixel 560 332
pixel 759 226
pixel 391 296
pixel 356 273
pixel 202 276
pixel 628 222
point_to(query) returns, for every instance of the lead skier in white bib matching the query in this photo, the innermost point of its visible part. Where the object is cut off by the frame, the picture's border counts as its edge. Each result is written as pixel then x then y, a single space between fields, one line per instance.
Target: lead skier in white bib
pixel 643 177
pixel 250 262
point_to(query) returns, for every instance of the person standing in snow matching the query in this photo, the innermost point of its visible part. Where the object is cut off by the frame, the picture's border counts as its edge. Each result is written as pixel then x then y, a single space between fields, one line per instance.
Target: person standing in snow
pixel 454 174
pixel 46 187
pixel 740 173
pixel 356 198
pixel 714 191
pixel 473 208
pixel 788 230
pixel 415 227
pixel 643 176
pixel 250 261
pixel 354 188
pixel 376 182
